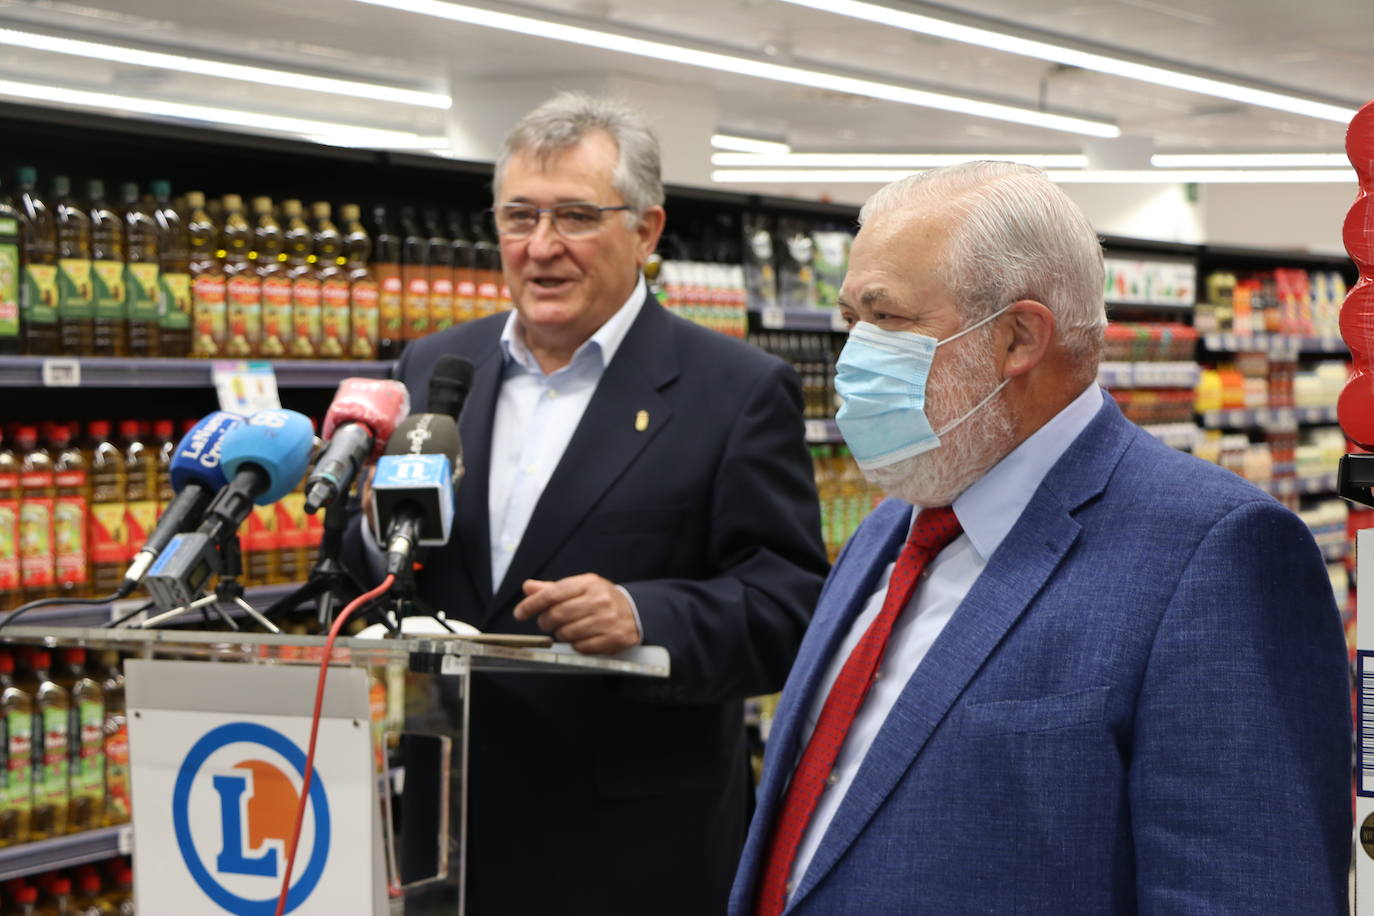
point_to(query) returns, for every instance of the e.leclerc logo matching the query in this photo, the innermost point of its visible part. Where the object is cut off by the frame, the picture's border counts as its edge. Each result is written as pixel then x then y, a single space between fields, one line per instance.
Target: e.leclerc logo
pixel 233 808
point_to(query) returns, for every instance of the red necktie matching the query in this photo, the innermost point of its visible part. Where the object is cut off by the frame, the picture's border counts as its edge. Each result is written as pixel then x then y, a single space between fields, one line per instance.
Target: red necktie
pixel 934 529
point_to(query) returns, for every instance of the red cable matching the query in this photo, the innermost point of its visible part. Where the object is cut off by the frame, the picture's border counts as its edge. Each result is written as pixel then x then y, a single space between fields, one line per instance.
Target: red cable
pixel 315 730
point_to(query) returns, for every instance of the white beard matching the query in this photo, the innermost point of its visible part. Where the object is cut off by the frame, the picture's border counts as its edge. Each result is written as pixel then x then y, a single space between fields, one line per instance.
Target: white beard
pixel 965 453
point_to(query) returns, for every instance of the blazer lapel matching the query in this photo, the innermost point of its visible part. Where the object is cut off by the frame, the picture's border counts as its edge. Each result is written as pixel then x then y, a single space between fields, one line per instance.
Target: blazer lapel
pixel 472 526
pixel 1031 552
pixel 609 437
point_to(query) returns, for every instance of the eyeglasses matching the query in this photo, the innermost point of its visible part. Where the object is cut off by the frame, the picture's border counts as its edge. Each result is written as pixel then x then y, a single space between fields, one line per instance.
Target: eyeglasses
pixel 573 220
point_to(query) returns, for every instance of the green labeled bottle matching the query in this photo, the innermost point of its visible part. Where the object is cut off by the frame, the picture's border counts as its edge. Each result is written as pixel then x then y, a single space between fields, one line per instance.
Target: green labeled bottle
pixel 86 743
pixel 116 735
pixel 40 299
pixel 140 273
pixel 174 275
pixel 16 744
pixel 51 757
pixel 109 324
pixel 11 279
pixel 75 292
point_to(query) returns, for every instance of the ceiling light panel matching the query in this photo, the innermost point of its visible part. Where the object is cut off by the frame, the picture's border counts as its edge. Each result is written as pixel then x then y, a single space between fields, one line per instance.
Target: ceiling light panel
pixel 749 145
pixel 894 160
pixel 1063 54
pixel 746 66
pixel 221 69
pixel 1194 176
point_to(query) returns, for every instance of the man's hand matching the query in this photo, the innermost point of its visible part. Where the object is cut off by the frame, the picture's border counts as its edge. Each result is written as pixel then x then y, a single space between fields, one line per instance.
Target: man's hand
pixel 587 611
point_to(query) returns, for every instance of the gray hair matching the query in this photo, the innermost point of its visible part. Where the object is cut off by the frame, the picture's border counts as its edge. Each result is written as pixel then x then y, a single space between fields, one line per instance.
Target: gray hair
pixel 1016 235
pixel 564 120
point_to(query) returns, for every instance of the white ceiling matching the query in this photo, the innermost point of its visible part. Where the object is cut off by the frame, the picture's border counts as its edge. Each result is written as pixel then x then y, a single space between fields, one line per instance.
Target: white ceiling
pixel 1318 47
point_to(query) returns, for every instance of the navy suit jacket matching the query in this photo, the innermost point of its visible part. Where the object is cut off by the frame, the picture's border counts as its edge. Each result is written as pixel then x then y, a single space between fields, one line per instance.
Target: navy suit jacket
pixel 1141 706
pixel 615 794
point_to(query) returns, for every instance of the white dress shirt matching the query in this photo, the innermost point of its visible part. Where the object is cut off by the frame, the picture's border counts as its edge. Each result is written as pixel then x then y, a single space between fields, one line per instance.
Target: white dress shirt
pixel 536 416
pixel 987 510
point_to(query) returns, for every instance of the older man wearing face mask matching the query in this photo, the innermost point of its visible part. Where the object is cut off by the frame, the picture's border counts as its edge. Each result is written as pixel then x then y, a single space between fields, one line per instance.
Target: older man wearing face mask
pixel 1063 669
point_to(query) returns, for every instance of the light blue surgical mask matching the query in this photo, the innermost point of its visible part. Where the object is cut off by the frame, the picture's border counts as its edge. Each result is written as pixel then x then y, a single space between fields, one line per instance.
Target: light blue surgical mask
pixel 881 376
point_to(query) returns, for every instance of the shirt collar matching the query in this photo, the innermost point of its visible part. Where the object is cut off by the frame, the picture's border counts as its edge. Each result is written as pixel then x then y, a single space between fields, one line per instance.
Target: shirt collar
pixel 989 508
pixel 603 344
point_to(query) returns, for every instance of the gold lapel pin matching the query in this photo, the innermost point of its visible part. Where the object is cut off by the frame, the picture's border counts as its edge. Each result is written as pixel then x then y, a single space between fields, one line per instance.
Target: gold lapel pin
pixel 641 421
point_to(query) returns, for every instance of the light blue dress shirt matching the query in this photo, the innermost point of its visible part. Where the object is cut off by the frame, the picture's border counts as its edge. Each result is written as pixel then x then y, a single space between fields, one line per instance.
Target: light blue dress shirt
pixel 987 510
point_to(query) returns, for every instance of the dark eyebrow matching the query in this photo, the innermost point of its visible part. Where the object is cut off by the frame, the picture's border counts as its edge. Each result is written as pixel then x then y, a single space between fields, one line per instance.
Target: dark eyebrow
pixel 874 297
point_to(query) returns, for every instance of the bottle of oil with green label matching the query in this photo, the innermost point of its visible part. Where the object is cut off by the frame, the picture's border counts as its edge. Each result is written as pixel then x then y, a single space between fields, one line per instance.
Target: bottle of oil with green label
pixel 174 275
pixel 108 539
pixel 329 261
pixel 116 737
pixel 305 283
pixel 51 754
pixel 86 743
pixel 16 744
pixel 11 278
pixel 243 286
pixel 109 324
pixel 209 305
pixel 75 289
pixel 363 291
pixel 270 263
pixel 38 496
pixel 11 585
pixel 40 299
pixel 140 273
pixel 70 513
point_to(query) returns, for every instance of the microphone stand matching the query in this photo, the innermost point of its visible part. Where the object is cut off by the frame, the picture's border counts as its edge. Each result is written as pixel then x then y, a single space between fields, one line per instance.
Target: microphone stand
pixel 329 585
pixel 228 590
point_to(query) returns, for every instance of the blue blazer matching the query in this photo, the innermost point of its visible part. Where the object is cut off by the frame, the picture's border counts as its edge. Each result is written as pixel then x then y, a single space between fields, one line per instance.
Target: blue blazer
pixel 1142 706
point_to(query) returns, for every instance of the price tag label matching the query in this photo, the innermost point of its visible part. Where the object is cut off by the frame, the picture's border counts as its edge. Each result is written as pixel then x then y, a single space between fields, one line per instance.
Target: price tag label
pixel 773 318
pixel 837 322
pixel 61 373
pixel 245 388
pixel 816 431
pixel 124 840
pixel 453 664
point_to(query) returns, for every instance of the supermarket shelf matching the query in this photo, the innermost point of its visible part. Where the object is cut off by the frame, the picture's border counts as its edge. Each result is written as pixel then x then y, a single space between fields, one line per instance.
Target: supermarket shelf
pixel 114 372
pixel 1294 486
pixel 777 318
pixel 78 615
pixel 1148 374
pixel 65 851
pixel 1273 344
pixel 1277 418
pixel 1176 435
pixel 823 432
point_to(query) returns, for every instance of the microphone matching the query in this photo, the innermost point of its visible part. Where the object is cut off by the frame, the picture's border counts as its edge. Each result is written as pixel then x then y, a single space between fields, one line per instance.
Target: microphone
pixel 196 477
pixel 263 459
pixel 449 384
pixel 412 491
pixel 359 422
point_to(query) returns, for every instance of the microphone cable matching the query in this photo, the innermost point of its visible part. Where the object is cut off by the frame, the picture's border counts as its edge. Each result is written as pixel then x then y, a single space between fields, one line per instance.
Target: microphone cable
pixel 315 730
pixel 117 595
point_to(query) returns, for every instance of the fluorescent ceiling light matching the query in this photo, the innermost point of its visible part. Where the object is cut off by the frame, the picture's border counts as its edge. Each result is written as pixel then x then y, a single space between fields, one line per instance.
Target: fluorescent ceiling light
pixel 745 66
pixel 283 78
pixel 897 160
pixel 1196 176
pixel 748 144
pixel 323 131
pixel 1061 54
pixel 1246 160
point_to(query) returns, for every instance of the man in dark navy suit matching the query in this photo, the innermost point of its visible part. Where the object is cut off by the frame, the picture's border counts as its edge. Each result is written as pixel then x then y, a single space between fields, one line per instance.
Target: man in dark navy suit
pixel 631 478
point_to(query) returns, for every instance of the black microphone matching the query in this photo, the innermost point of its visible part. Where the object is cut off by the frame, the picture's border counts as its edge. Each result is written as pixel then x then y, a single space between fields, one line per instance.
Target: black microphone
pixel 412 492
pixel 449 384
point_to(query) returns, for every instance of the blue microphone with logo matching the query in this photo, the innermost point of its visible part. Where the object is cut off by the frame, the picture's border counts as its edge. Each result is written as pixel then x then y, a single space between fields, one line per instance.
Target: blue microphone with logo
pixel 263 460
pixel 196 477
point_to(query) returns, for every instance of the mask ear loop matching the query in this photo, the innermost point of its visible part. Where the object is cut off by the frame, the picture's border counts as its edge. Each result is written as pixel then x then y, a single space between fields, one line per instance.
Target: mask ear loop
pixel 975 326
pixel 973 410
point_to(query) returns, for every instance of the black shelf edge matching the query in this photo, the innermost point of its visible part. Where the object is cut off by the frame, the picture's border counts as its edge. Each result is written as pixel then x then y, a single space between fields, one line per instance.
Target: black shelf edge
pixel 117 372
pixel 65 851
pixel 1115 244
pixel 1276 257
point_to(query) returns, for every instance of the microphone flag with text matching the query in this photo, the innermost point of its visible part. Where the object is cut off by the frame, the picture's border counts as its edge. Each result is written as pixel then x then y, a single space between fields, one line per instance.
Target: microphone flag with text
pixel 263 460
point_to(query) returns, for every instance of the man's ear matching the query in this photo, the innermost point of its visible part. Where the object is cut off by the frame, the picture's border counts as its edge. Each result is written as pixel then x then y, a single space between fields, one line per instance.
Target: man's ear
pixel 649 228
pixel 1032 331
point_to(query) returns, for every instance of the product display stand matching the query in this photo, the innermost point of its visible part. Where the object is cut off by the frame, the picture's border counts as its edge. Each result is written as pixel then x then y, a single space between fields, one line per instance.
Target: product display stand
pixel 330 585
pixel 221 794
pixel 228 590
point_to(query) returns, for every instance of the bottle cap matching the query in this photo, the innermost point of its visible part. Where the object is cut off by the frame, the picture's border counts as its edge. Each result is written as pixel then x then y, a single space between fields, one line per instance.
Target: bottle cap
pixel 161 188
pixel 62 887
pixel 128 192
pixel 6 663
pixel 76 656
pixel 61 186
pixel 128 429
pixel 27 437
pixel 26 174
pixel 320 209
pixel 95 189
pixel 163 429
pixel 233 203
pixel 195 199
pixel 98 430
